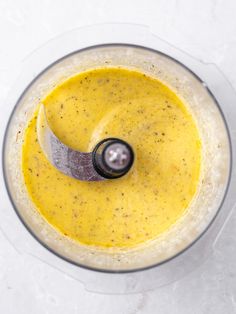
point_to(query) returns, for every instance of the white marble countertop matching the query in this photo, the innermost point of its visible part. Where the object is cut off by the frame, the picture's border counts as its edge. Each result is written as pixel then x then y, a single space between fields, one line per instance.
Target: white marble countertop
pixel 206 29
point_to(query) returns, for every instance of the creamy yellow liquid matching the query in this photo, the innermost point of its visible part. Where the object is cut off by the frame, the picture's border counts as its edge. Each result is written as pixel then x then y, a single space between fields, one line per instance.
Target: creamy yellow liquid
pixel 116 102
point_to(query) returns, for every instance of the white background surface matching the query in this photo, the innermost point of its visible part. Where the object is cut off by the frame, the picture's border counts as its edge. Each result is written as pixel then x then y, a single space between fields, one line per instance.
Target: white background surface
pixel 204 28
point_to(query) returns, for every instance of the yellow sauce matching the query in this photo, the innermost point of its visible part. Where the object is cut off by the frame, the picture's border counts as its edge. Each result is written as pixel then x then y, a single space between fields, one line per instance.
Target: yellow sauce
pixel 116 102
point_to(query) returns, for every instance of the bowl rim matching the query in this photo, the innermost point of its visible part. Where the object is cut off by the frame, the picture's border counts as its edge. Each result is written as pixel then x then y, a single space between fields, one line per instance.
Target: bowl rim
pixel 29 229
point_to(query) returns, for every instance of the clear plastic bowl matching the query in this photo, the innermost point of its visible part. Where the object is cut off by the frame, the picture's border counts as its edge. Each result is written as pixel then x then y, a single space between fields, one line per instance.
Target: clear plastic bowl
pixel 142 51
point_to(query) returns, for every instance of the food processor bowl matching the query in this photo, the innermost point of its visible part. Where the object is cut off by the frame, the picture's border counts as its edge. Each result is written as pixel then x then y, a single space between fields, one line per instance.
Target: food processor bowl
pixel 139 50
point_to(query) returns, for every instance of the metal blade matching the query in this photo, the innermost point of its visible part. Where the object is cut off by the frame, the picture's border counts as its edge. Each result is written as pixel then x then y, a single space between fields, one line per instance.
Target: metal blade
pixel 71 162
